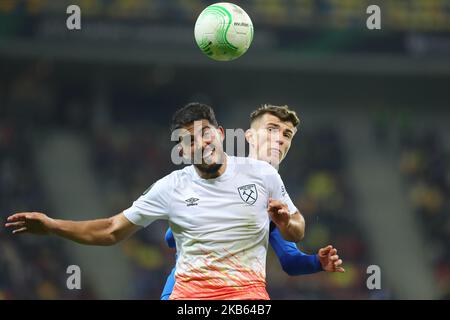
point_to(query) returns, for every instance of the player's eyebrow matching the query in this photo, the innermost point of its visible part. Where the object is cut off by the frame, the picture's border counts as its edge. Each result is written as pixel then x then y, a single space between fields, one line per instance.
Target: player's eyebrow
pixel 278 126
pixel 192 134
pixel 290 131
pixel 272 124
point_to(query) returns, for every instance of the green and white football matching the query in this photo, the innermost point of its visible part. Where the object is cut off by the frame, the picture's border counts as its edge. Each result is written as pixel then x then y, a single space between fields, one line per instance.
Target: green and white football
pixel 223 31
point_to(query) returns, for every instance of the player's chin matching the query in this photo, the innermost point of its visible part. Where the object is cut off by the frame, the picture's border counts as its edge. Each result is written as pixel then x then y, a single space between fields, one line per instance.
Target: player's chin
pixel 275 161
pixel 209 167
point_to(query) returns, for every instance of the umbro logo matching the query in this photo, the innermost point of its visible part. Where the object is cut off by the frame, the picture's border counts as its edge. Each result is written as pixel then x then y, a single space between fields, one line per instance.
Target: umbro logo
pixel 191 202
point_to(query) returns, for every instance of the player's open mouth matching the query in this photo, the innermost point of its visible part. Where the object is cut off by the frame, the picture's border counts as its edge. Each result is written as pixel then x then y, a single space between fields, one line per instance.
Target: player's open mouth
pixel 208 153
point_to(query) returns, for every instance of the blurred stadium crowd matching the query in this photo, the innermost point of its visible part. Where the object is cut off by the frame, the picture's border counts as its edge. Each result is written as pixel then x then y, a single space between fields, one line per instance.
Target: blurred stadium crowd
pixel 399 15
pixel 423 156
pixel 424 162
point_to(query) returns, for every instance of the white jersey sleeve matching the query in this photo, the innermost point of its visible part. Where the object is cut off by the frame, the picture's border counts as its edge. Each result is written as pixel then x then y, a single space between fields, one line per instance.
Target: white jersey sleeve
pixel 277 189
pixel 152 205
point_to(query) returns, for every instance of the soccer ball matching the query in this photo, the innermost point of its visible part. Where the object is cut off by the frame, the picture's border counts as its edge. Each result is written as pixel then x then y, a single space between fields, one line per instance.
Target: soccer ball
pixel 223 31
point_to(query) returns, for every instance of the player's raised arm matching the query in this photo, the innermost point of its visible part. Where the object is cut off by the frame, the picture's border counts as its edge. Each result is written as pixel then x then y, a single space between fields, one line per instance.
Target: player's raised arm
pixel 280 207
pixel 100 232
pixel 291 225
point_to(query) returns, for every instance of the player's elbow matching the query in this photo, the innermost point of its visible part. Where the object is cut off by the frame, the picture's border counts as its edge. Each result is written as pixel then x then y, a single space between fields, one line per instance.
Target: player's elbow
pixel 288 264
pixel 106 240
pixel 110 240
pixel 110 236
pixel 290 271
pixel 300 228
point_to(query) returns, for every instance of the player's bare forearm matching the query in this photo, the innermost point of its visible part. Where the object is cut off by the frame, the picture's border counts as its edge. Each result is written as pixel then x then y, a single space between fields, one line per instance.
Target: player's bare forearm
pixel 294 229
pixel 100 232
pixel 91 232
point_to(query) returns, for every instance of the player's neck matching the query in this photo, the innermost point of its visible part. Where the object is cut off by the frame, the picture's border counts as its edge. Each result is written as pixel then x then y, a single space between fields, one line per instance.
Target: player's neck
pixel 254 155
pixel 215 174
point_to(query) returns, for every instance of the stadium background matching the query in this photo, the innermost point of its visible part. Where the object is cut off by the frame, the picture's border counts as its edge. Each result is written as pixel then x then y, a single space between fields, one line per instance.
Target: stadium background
pixel 84 130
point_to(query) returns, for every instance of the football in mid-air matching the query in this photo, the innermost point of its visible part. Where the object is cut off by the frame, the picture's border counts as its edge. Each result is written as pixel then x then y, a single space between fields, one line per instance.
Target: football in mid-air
pixel 223 31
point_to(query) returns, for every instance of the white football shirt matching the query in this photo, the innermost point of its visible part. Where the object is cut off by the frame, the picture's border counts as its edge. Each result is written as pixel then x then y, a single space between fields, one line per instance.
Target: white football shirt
pixel 221 227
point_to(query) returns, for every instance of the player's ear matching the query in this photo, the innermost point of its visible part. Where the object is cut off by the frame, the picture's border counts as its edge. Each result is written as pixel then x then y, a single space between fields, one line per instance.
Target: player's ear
pixel 222 133
pixel 249 136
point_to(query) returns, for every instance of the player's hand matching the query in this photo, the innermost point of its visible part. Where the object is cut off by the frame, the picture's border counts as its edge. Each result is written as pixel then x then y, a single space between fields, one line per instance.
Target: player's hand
pixel 329 259
pixel 278 212
pixel 30 222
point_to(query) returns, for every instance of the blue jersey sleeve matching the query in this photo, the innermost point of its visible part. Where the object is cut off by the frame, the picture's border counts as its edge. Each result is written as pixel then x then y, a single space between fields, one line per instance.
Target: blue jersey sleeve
pixel 168 288
pixel 170 240
pixel 170 282
pixel 293 261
